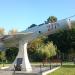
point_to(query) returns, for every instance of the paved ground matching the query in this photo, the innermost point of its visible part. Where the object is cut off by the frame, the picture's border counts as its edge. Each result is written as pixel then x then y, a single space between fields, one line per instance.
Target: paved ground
pixel 6 73
pixel 35 70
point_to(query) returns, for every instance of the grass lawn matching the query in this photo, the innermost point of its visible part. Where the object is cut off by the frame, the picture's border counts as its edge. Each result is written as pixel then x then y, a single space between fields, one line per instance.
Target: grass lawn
pixel 65 70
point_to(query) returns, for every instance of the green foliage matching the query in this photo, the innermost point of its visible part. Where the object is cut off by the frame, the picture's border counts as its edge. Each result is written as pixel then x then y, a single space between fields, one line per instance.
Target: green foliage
pixel 33 47
pixel 47 50
pixel 11 53
pixel 33 25
pixel 2 55
pixel 73 24
pixel 51 19
pixel 64 39
pixel 39 49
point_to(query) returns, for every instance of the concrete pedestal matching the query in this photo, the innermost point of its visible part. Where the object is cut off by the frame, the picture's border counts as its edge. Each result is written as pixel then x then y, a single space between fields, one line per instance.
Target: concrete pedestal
pixel 23 54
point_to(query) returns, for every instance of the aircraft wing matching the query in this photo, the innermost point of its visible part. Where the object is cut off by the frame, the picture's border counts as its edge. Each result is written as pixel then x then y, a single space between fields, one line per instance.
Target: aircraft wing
pixel 12 40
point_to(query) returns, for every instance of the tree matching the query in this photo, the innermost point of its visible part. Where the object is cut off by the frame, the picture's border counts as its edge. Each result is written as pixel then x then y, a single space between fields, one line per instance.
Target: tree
pixel 51 19
pixel 47 50
pixel 1 31
pixel 33 47
pixel 65 41
pixel 2 57
pixel 41 49
pixel 13 31
pixel 2 53
pixel 11 53
pixel 36 43
pixel 33 25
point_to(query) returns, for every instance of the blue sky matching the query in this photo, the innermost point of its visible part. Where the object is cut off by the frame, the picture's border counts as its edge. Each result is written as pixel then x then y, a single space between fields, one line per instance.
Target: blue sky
pixel 20 14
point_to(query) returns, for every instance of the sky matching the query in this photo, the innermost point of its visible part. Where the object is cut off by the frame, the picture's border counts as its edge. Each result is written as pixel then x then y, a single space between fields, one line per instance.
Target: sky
pixel 20 14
